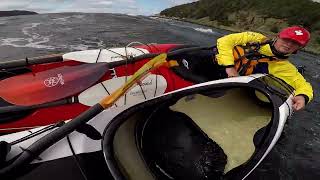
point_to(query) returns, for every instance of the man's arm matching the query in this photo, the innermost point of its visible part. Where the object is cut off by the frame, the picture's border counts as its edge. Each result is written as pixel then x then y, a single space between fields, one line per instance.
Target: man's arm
pixel 289 73
pixel 226 44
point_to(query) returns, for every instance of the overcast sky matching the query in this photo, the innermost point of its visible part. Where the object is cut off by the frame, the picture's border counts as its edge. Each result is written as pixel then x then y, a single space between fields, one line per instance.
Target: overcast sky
pixel 140 7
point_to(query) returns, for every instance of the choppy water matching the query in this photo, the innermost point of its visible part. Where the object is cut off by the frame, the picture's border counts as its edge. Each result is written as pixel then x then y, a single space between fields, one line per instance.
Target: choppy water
pixel 297 154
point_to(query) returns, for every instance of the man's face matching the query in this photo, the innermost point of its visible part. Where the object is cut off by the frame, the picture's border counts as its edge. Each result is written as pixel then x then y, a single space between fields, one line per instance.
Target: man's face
pixel 286 46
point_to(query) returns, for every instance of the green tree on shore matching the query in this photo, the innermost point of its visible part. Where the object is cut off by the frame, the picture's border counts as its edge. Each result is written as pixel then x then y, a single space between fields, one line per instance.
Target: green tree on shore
pixel 302 12
pixel 264 16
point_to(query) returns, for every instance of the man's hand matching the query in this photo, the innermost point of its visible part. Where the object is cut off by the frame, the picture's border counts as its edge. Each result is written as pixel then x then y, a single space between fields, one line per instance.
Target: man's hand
pixel 298 103
pixel 231 72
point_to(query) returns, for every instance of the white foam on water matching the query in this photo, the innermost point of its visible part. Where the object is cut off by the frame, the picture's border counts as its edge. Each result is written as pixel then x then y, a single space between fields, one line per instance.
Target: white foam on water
pixel 61 21
pixel 26 42
pixel 79 47
pixel 132 14
pixel 39 45
pixel 11 41
pixel 28 31
pixel 161 19
pixel 316 76
pixel 204 30
pixel 33 39
pixel 153 17
pixel 79 16
pixel 36 40
pixel 3 22
pixel 95 42
pixel 87 44
pixel 66 20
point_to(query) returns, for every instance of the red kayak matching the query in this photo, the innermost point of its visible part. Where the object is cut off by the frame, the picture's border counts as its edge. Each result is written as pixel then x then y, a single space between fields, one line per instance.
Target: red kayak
pixel 45 90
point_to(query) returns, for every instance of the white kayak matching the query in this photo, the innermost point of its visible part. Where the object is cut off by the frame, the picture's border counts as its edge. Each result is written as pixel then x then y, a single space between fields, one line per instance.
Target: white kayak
pixel 212 130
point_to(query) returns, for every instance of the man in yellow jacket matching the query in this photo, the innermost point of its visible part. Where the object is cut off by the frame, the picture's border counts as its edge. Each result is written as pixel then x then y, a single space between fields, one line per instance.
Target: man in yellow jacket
pixel 249 52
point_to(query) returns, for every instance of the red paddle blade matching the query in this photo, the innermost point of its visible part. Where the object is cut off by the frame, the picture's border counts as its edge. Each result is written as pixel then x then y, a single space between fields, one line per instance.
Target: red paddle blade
pixel 30 89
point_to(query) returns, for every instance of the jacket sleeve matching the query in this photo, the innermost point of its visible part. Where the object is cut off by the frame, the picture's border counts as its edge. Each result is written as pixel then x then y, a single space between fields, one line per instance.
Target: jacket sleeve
pixel 289 73
pixel 226 44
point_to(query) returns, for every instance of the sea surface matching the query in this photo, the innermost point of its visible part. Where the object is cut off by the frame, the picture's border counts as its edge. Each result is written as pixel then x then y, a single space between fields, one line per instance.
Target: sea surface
pixel 297 154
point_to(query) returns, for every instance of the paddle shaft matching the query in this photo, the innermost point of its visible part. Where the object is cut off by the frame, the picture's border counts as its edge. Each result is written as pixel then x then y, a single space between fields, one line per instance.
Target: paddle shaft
pixel 10 109
pixel 30 61
pixel 59 58
pixel 45 142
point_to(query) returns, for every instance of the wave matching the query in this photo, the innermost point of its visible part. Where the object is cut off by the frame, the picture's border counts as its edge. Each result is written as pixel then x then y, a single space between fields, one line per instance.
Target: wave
pixel 32 39
pixel 204 30
pixel 66 20
pixel 2 22
pixel 86 44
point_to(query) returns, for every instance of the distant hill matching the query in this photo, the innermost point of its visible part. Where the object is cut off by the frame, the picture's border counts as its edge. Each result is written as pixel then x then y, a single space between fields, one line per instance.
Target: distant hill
pixel 16 13
pixel 254 15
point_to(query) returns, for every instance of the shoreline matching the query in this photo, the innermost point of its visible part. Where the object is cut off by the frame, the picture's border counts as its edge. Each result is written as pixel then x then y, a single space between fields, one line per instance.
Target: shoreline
pixel 230 29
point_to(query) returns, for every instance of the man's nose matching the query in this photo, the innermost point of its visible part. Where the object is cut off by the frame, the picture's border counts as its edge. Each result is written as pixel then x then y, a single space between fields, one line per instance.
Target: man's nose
pixel 291 43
